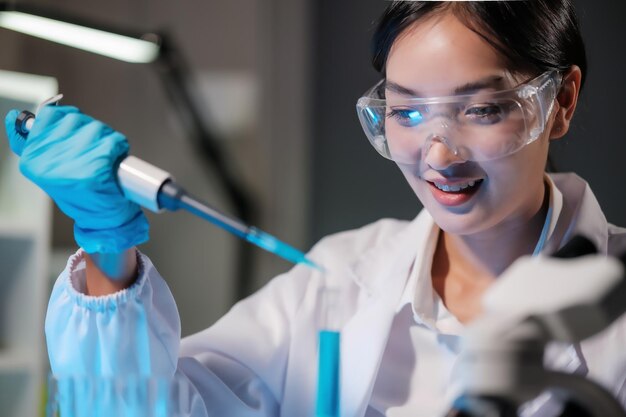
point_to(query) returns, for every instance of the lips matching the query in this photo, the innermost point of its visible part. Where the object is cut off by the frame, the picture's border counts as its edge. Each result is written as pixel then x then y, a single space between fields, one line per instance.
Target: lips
pixel 454 192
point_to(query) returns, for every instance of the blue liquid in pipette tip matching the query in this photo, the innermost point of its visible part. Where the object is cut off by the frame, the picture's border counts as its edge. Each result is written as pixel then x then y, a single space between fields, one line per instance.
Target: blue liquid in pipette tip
pixel 275 246
pixel 328 375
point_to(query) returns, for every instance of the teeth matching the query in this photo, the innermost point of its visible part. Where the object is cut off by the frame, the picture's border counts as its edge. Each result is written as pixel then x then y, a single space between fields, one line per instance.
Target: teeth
pixel 456 187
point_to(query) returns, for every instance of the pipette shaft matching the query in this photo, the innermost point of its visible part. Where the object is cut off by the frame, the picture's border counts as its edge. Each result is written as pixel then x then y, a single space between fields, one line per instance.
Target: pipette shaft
pixel 171 196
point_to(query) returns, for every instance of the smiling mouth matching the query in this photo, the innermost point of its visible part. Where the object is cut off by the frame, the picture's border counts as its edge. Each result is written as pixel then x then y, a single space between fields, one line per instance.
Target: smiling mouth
pixel 460 188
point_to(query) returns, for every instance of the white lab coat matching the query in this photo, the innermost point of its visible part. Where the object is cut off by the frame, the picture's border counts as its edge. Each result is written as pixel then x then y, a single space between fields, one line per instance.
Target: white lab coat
pixel 260 359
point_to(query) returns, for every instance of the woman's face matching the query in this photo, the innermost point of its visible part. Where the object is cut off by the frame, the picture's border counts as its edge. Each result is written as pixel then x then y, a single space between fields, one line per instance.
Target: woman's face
pixel 434 57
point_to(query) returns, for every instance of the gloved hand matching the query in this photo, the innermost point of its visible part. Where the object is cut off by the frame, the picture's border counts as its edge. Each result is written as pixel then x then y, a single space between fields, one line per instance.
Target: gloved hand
pixel 74 159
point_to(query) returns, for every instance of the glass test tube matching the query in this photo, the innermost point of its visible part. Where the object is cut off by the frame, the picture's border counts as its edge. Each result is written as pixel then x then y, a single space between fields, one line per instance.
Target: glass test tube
pixel 329 355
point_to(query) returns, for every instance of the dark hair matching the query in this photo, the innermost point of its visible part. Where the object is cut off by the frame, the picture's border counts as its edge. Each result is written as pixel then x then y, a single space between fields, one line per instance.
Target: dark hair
pixel 533 36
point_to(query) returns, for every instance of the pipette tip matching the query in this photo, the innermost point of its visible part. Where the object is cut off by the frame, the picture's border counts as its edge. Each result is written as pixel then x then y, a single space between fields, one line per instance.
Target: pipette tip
pixel 277 247
pixel 306 261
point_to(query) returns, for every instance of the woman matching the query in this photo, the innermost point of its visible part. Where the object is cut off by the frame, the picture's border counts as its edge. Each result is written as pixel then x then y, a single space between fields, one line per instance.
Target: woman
pixel 472 94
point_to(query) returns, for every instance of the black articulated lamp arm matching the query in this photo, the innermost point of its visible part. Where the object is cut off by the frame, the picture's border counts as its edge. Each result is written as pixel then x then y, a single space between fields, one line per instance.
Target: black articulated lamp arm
pixel 176 78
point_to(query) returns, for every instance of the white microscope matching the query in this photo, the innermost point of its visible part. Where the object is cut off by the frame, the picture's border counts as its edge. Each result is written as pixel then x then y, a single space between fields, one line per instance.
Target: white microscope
pixel 565 298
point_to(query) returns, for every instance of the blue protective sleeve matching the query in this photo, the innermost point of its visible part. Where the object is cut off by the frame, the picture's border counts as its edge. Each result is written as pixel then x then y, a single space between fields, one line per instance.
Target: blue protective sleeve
pixel 135 331
pixel 134 335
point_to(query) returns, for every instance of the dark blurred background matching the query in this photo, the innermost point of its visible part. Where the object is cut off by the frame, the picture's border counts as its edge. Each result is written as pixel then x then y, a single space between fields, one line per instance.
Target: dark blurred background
pixel 279 80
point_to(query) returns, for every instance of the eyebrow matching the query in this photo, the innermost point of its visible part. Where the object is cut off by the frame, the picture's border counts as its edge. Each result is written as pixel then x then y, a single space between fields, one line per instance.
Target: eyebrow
pixel 487 82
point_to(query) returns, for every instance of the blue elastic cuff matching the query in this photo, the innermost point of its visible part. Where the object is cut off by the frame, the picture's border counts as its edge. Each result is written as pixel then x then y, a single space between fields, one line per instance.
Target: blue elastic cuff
pixel 132 233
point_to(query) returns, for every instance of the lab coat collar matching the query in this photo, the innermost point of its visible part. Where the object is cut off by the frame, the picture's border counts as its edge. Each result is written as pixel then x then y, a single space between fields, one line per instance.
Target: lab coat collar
pixel 555 205
pixel 370 270
pixel 419 292
pixel 580 214
pixel 382 274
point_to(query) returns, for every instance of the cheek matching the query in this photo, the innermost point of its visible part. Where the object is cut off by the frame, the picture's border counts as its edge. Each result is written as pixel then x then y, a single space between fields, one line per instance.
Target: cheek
pixel 515 183
pixel 411 174
pixel 523 169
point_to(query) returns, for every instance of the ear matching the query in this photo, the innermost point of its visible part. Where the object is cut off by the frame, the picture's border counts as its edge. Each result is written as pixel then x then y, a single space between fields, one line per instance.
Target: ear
pixel 566 100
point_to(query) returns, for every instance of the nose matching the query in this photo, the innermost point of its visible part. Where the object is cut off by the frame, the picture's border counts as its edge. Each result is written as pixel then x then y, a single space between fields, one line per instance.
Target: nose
pixel 440 154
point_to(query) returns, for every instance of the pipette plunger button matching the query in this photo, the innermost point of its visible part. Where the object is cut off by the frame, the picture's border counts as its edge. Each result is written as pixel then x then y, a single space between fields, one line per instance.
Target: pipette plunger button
pixel 21 123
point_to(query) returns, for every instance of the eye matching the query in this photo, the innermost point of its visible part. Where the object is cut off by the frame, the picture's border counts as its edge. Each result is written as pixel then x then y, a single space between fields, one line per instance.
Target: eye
pixel 406 117
pixel 485 113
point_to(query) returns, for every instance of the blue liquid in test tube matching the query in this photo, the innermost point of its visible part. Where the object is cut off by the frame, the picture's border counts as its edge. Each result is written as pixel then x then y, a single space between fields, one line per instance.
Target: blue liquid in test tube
pixel 328 374
pixel 328 384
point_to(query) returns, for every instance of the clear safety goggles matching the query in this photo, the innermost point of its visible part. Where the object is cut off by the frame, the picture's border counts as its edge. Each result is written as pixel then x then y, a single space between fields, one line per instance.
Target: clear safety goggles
pixel 476 127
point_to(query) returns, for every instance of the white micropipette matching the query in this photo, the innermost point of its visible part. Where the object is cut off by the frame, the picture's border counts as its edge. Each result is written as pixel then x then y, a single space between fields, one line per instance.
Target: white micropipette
pixel 156 190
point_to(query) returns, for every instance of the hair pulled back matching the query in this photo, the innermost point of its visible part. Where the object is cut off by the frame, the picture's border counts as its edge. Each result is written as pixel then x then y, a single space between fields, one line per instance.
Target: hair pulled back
pixel 533 36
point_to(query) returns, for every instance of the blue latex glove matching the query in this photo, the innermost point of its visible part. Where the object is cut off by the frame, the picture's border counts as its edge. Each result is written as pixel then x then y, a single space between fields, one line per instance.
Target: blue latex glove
pixel 74 159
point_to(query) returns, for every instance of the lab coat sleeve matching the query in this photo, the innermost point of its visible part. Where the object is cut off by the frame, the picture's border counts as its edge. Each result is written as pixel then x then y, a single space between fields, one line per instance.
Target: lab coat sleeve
pixel 236 367
pixel 136 330
pixel 242 359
